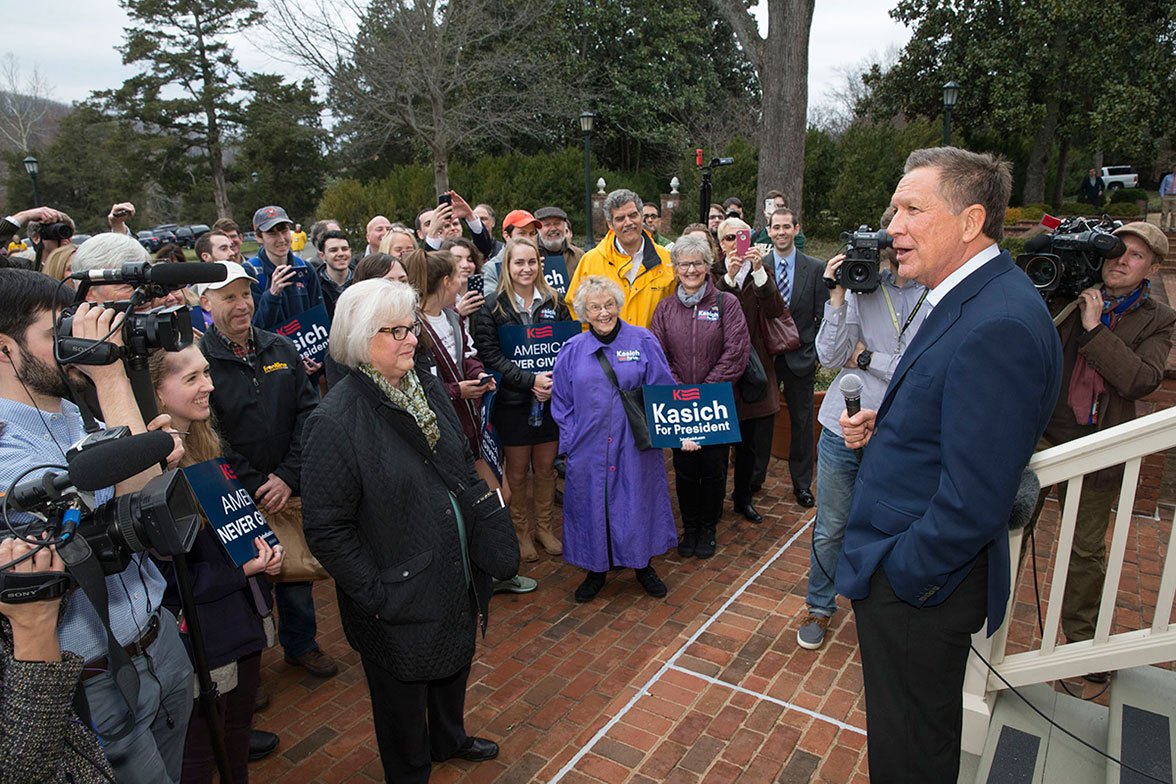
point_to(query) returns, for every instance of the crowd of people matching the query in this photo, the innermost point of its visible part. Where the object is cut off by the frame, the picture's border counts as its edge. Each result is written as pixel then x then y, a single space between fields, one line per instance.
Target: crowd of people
pixel 417 463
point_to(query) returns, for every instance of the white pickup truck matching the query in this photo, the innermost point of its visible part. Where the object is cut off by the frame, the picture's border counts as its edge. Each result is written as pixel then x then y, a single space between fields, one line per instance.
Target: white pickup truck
pixel 1116 177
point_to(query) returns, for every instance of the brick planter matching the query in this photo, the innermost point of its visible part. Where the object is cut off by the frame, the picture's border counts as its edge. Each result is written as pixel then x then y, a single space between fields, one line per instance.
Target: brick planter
pixel 782 437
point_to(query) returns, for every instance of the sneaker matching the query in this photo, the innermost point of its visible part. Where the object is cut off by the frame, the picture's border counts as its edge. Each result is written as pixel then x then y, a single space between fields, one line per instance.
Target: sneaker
pixel 516 584
pixel 651 582
pixel 315 662
pixel 811 634
pixel 590 587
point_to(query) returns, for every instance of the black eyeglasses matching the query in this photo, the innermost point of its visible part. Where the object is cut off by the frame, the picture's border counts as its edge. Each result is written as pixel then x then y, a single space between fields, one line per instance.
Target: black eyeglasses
pixel 729 238
pixel 401 332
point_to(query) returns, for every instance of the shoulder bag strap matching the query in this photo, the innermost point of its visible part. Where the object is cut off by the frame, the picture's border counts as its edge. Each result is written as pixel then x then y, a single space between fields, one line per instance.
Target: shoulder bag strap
pixel 607 367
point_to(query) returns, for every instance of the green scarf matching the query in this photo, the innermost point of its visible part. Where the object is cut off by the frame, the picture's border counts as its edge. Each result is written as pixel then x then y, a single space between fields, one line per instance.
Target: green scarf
pixel 410 396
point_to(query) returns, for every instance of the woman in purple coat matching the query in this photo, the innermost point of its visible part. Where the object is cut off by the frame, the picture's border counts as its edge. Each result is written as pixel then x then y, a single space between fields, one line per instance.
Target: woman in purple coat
pixel 704 334
pixel 616 499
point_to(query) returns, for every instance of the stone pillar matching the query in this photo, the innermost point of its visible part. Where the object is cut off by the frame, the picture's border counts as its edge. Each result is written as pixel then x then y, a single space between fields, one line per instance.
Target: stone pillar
pixel 670 202
pixel 599 222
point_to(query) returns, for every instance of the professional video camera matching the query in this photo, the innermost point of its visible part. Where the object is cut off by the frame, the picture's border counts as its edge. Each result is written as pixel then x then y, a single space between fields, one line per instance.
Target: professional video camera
pixel 164 516
pixel 859 270
pixel 1069 259
pixel 169 329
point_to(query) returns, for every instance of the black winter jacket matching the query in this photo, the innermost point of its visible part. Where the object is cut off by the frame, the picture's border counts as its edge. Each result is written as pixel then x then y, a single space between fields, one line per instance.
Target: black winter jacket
pixel 515 387
pixel 379 518
pixel 260 410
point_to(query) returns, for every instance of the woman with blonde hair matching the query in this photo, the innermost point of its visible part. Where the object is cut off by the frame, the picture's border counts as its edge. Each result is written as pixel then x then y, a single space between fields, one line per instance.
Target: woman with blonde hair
pixel 58 263
pixel 521 412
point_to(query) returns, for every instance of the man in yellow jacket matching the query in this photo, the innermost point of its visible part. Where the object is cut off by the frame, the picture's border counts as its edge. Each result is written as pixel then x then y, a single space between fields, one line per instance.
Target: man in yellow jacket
pixel 628 256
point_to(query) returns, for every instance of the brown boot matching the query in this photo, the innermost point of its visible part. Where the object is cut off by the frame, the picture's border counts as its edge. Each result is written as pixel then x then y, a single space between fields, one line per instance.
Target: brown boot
pixel 544 509
pixel 520 512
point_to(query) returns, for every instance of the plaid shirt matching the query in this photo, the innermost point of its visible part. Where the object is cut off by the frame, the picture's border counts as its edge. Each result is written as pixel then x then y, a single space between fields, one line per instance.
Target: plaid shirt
pixel 248 352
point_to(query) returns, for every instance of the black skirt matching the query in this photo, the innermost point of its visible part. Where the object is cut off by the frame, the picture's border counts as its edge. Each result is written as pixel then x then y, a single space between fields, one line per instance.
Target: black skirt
pixel 510 420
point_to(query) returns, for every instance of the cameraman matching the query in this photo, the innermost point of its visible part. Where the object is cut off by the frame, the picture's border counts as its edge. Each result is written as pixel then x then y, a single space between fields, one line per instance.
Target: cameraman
pixel 1115 344
pixel 38 426
pixel 39 682
pixel 867 333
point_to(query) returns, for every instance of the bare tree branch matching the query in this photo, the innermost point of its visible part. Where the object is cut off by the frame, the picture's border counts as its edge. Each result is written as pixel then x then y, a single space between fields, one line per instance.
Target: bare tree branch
pixel 24 105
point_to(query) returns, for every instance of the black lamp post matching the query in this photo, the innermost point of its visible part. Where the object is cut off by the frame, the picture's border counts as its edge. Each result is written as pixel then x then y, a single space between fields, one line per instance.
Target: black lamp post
pixel 951 94
pixel 32 167
pixel 586 120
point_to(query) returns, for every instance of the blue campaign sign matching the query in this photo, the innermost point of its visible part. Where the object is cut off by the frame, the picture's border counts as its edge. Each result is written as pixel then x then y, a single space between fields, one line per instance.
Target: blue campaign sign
pixel 533 346
pixel 555 272
pixel 703 413
pixel 309 330
pixel 491 446
pixel 229 509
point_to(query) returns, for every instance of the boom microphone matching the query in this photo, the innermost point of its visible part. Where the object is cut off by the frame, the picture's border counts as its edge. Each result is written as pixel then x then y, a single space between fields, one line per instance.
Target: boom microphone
pixel 1038 244
pixel 110 462
pixel 851 389
pixel 172 274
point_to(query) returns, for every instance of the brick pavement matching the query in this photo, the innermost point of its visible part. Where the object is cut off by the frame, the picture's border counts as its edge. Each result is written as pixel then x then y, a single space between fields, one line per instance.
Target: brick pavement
pixel 706 685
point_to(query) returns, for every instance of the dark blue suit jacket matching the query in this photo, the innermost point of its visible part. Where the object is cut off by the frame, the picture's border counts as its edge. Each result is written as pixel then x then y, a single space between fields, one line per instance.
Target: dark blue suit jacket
pixel 960 419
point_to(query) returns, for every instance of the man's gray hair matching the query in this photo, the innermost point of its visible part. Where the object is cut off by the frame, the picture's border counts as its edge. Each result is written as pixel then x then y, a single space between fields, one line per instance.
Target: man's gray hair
pixel 362 309
pixel 967 178
pixel 619 198
pixel 691 245
pixel 593 285
pixel 108 251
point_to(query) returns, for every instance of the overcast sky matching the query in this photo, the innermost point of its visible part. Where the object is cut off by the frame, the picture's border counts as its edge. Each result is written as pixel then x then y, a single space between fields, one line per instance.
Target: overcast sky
pixel 844 34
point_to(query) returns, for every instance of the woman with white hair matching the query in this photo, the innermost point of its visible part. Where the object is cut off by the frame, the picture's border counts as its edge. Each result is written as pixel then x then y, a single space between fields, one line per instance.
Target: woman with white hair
pixel 616 499
pixel 394 510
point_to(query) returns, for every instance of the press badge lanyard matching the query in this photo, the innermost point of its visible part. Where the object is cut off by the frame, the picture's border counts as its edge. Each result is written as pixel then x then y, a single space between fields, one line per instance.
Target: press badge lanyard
pixel 894 316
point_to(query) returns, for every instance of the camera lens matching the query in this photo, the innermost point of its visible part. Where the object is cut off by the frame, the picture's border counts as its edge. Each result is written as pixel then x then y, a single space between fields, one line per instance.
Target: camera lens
pixel 859 273
pixel 1043 271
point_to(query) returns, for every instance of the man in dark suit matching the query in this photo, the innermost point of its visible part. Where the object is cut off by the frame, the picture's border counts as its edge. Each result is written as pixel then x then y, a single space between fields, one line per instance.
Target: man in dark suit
pixel 1091 189
pixel 926 556
pixel 798 277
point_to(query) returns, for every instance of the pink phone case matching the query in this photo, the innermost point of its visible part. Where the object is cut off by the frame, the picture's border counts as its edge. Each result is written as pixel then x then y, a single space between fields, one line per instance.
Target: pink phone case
pixel 742 242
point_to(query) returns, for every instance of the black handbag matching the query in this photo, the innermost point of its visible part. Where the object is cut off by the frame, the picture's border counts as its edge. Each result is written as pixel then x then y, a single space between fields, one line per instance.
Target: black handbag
pixel 753 384
pixel 633 401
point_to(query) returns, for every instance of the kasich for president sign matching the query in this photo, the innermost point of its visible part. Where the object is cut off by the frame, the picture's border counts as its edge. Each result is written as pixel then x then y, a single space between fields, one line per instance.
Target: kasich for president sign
pixel 533 347
pixel 229 509
pixel 309 330
pixel 703 413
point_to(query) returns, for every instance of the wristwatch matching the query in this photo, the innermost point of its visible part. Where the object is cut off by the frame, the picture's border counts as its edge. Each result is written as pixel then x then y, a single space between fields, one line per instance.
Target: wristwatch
pixel 863 360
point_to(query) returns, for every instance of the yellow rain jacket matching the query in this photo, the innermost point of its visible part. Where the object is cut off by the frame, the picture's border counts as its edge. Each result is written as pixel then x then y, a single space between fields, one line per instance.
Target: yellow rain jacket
pixel 653 283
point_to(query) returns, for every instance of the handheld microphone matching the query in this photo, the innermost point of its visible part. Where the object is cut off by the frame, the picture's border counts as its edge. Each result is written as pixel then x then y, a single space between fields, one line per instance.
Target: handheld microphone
pixel 172 274
pixel 851 389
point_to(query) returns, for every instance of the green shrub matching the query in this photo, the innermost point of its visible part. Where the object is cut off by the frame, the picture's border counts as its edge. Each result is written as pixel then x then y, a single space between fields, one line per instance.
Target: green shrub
pixel 1075 208
pixel 1130 195
pixel 1121 210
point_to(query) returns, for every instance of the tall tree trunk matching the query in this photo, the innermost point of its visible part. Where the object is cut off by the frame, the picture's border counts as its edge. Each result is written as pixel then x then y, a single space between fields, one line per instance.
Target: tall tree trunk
pixel 1060 173
pixel 783 76
pixel 220 193
pixel 441 168
pixel 1034 191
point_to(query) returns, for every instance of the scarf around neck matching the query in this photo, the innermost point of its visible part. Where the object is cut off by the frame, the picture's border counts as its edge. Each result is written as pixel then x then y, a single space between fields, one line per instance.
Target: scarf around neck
pixel 410 396
pixel 690 300
pixel 1086 383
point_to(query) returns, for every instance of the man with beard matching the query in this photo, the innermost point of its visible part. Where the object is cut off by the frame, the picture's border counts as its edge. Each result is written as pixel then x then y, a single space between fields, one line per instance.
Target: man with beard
pixel 39 425
pixel 554 230
pixel 628 256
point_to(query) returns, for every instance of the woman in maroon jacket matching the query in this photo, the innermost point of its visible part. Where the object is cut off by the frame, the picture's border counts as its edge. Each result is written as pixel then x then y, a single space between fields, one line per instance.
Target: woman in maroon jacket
pixel 704 334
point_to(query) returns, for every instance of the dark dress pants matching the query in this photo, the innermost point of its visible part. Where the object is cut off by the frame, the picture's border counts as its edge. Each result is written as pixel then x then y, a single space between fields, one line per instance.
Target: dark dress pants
pixel 416 722
pixel 236 719
pixel 913 662
pixel 701 479
pixel 798 394
pixel 751 455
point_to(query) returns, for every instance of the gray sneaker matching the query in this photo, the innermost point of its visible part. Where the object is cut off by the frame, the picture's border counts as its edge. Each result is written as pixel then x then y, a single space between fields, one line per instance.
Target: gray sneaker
pixel 811 634
pixel 516 584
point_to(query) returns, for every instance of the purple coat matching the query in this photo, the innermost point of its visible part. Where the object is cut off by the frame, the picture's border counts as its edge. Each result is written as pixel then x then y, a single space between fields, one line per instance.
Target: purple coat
pixel 702 345
pixel 616 499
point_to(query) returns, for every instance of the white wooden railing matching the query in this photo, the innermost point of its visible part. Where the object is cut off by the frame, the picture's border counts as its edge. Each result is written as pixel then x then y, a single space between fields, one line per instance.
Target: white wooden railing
pixel 1125 444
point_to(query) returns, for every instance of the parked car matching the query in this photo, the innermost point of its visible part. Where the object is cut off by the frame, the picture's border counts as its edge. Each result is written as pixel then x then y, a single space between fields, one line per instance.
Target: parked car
pixel 184 237
pixel 198 229
pixel 150 240
pixel 166 233
pixel 1116 177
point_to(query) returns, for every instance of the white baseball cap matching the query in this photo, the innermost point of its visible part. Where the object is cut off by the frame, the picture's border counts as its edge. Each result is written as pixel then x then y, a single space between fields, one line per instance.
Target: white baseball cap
pixel 234 270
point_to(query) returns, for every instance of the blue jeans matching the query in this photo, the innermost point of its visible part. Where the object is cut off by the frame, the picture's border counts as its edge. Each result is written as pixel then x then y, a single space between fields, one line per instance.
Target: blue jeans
pixel 153 752
pixel 837 470
pixel 296 624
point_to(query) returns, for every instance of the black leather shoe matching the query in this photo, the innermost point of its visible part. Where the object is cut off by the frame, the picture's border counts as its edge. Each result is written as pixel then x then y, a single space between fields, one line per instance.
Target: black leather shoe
pixel 590 587
pixel 805 498
pixel 261 744
pixel 651 582
pixel 748 511
pixel 477 750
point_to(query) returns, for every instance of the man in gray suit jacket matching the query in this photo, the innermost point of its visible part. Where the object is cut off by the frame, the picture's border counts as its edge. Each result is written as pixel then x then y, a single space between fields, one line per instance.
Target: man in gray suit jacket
pixel 798 277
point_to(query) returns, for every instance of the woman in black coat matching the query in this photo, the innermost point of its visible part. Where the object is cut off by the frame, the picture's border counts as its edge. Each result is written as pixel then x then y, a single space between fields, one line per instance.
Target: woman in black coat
pixel 522 413
pixel 394 510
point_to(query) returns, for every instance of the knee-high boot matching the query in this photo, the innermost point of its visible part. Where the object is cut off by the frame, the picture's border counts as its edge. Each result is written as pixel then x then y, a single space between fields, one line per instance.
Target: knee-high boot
pixel 544 508
pixel 520 512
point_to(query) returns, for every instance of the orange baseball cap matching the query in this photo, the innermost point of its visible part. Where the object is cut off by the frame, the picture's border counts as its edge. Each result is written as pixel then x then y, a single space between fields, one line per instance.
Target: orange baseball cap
pixel 520 218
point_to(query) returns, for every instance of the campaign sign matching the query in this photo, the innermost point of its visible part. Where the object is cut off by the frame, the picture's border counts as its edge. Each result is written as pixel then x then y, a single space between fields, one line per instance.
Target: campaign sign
pixel 229 509
pixel 703 413
pixel 491 446
pixel 309 330
pixel 533 346
pixel 555 272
